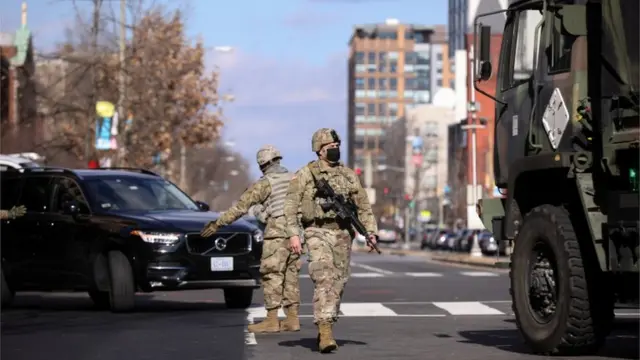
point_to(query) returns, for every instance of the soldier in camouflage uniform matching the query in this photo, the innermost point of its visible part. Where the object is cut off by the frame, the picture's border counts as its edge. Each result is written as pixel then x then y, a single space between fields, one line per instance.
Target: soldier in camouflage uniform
pixel 279 267
pixel 14 212
pixel 327 239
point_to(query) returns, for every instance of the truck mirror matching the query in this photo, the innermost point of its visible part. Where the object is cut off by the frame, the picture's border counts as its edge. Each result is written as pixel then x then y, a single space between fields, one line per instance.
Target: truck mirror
pixel 485 69
pixel 485 43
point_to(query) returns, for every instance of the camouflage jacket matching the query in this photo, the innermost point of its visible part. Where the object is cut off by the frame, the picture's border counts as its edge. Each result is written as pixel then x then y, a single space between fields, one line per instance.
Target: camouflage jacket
pixel 256 194
pixel 301 196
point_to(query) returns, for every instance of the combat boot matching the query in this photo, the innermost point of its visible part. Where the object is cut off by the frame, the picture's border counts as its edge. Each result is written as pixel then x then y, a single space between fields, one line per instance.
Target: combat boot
pixel 270 324
pixel 291 322
pixel 326 343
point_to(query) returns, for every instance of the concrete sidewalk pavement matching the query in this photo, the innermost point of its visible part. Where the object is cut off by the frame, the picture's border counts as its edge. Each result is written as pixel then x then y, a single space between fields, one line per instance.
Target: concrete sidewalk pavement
pixel 447 257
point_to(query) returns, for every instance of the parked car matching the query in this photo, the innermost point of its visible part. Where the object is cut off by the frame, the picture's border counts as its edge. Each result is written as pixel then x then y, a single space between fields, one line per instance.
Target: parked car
pixel 114 232
pixel 387 233
pixel 19 161
pixel 487 242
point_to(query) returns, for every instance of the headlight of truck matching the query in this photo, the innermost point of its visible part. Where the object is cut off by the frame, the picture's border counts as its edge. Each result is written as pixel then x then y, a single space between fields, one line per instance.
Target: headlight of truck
pixel 159 238
pixel 258 236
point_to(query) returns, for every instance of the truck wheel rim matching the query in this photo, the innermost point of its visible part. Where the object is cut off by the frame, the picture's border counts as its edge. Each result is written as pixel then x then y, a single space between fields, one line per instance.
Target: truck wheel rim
pixel 543 288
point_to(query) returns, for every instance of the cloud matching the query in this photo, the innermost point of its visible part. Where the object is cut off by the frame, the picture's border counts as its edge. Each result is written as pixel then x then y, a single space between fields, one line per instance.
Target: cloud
pixel 282 102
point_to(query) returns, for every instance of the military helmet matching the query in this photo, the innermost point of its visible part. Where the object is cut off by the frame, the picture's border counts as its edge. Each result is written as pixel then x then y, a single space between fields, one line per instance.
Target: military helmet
pixel 323 137
pixel 266 154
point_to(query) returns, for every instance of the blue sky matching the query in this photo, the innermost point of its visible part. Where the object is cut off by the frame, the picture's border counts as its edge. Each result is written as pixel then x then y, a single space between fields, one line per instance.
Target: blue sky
pixel 289 64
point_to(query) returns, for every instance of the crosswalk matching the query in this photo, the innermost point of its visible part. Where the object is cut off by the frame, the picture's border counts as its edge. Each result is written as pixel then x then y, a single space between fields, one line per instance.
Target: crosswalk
pixel 415 309
pixel 373 274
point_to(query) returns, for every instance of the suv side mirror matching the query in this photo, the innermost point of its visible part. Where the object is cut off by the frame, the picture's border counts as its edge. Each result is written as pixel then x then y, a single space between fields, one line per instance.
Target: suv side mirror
pixel 71 208
pixel 203 206
pixel 485 53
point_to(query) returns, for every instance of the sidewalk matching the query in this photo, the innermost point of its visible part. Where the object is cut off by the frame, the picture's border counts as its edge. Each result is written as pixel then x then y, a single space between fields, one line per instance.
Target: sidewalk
pixel 444 256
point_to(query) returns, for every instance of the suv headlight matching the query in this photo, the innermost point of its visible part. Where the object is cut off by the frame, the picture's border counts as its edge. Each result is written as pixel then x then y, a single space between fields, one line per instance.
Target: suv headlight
pixel 160 238
pixel 258 236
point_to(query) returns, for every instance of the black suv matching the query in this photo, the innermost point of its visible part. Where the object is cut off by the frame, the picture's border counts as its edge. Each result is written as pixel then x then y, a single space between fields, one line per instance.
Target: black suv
pixel 113 232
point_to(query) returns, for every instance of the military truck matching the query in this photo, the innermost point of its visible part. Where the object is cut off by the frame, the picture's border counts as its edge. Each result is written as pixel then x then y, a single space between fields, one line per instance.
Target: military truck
pixel 566 156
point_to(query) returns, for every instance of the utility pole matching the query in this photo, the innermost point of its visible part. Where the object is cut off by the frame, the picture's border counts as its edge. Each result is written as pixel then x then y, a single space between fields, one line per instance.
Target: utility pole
pixel 91 114
pixel 183 166
pixel 122 80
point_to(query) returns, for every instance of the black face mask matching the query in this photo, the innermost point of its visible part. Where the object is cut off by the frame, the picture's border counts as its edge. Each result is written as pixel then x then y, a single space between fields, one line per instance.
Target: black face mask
pixel 333 154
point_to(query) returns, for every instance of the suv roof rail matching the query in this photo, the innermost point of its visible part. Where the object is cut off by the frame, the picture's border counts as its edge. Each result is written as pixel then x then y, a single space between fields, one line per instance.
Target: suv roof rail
pixel 46 169
pixel 143 171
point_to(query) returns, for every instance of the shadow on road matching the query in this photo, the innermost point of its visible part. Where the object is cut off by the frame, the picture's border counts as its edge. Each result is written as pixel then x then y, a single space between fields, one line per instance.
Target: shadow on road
pixel 74 312
pixel 311 343
pixel 623 343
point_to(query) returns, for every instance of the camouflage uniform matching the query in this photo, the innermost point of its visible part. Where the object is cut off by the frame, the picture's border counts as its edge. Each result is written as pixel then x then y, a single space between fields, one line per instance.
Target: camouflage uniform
pixel 327 240
pixel 16 211
pixel 279 267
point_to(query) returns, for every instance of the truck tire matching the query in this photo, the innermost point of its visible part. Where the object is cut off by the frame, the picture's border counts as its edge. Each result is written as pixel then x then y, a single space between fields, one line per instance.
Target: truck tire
pixel 122 292
pixel 238 298
pixel 6 293
pixel 579 321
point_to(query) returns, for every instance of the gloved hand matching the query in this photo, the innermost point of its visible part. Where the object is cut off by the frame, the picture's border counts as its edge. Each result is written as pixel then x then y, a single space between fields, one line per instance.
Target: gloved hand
pixel 209 229
pixel 17 211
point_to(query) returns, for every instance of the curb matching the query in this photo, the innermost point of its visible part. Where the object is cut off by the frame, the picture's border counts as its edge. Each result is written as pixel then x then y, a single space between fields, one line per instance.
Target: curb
pixel 444 259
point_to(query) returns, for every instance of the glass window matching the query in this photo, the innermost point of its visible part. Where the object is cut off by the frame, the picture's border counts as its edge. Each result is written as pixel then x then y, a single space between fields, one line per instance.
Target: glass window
pixel 371 83
pixel 382 83
pixel 67 191
pixel 452 84
pixel 439 56
pixel 392 35
pixel 382 57
pixel 360 68
pixel 559 58
pixel 393 68
pixel 382 67
pixel 393 84
pixel 410 83
pixel 423 84
pixel 9 193
pixel 359 57
pixel 392 55
pixel 382 109
pixel 408 34
pixel 372 68
pixel 360 108
pixel 360 93
pixel 410 57
pixel 371 109
pixel 372 57
pixel 523 56
pixel 423 58
pixel 439 82
pixel 133 193
pixel 422 97
pixel 418 38
pixel 36 195
pixel 360 83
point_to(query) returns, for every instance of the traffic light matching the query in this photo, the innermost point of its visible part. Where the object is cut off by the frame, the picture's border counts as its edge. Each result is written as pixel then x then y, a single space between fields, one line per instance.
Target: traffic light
pixel 93 164
pixel 407 197
pixel 358 171
pixel 386 191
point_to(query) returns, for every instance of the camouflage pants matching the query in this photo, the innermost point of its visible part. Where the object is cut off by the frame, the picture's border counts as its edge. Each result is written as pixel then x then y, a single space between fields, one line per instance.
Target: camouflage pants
pixel 329 267
pixel 280 270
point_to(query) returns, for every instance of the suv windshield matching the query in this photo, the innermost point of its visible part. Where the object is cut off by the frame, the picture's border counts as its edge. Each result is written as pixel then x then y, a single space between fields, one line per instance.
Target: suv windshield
pixel 130 193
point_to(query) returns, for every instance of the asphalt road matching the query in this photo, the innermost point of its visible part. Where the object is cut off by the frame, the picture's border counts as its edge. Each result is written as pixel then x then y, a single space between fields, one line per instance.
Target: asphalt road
pixel 394 308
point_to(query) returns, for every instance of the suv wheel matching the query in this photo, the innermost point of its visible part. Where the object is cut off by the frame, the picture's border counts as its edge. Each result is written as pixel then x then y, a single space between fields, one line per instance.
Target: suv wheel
pixel 101 299
pixel 6 292
pixel 238 298
pixel 122 293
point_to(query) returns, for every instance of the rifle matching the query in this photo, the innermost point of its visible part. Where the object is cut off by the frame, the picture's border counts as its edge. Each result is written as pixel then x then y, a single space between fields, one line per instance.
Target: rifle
pixel 344 208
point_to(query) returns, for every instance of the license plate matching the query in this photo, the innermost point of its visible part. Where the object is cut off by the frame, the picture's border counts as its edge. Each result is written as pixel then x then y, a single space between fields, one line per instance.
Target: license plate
pixel 222 264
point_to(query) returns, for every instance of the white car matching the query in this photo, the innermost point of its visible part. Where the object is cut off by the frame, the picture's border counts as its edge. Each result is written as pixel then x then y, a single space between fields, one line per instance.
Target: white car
pixel 19 161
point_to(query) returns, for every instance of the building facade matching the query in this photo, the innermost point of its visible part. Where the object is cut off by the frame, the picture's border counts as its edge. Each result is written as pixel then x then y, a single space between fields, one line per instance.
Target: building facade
pixel 392 67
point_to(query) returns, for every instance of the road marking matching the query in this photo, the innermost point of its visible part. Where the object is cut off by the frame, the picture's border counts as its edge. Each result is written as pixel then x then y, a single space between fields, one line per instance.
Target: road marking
pixel 261 312
pixel 467 308
pixel 423 274
pixel 626 314
pixel 249 338
pixel 366 275
pixel 371 268
pixel 366 309
pixel 478 273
